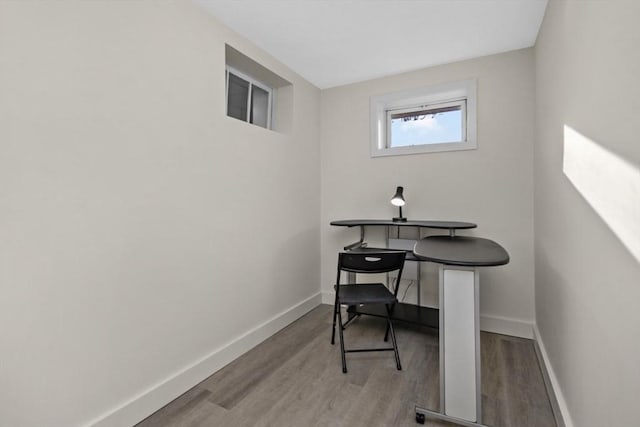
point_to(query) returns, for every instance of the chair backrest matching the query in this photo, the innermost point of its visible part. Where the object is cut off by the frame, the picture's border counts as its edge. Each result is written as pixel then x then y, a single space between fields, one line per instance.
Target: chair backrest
pixel 371 262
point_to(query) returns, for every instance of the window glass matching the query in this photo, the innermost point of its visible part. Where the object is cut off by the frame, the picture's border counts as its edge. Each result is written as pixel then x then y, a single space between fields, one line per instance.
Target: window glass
pixel 426 126
pixel 238 93
pixel 259 107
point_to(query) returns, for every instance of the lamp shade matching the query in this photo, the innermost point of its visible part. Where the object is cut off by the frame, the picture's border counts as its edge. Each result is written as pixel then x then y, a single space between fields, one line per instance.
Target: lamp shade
pixel 398 198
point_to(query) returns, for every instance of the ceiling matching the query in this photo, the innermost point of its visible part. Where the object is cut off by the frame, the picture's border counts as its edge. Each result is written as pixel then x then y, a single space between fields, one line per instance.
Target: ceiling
pixel 336 42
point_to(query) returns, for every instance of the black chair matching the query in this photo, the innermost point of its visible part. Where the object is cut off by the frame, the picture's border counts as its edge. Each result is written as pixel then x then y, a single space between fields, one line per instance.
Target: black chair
pixel 367 293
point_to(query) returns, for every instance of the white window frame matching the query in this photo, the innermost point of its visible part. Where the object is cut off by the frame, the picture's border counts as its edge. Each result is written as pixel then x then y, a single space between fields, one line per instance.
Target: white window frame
pixel 252 82
pixel 433 97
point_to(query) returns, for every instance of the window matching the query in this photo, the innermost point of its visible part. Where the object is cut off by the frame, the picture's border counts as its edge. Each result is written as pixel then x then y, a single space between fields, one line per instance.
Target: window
pixel 248 99
pixel 255 94
pixel 432 119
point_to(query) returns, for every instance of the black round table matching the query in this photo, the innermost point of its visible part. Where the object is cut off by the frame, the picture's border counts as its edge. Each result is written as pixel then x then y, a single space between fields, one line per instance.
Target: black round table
pixel 461 250
pixel 460 380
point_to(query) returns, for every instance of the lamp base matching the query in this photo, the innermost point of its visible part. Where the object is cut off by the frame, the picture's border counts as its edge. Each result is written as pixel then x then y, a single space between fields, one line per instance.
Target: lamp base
pixel 399 219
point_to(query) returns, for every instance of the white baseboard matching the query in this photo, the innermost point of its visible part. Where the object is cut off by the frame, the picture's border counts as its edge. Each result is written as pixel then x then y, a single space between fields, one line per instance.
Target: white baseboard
pixel 498 325
pixel 141 406
pixel 561 411
pixel 506 326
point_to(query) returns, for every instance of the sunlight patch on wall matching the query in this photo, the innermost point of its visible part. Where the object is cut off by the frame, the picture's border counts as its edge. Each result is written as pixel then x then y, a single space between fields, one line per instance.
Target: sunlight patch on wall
pixel 610 184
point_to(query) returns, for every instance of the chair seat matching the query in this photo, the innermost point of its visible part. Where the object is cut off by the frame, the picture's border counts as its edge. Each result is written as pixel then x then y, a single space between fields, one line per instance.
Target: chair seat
pixel 366 293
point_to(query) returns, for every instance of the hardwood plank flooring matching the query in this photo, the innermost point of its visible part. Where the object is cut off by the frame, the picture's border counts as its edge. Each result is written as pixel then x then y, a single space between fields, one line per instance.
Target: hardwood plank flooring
pixel 295 379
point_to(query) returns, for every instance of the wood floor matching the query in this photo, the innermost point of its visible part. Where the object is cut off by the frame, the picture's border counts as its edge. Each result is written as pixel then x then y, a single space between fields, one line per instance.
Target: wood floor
pixel 295 379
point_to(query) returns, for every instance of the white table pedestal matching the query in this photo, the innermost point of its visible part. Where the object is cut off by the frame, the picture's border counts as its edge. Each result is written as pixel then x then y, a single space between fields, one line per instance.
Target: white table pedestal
pixel 460 379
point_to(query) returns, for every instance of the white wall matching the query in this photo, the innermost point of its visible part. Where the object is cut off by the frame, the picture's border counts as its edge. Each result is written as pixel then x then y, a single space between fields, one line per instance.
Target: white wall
pixel 587 215
pixel 491 186
pixel 141 230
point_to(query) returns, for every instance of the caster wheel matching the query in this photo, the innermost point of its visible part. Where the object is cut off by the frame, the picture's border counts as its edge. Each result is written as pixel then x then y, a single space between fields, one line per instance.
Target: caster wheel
pixel 420 418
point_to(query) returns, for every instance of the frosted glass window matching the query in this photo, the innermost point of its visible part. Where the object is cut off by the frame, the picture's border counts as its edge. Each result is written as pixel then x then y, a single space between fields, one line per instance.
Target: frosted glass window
pixel 259 107
pixel 248 99
pixel 238 91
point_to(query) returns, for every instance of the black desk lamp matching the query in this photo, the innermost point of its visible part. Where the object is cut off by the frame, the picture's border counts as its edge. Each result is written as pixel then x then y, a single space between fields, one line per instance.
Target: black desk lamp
pixel 398 200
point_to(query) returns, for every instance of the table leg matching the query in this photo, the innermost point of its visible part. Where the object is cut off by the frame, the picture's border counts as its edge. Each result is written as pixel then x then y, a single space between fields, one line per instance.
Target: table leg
pixel 460 379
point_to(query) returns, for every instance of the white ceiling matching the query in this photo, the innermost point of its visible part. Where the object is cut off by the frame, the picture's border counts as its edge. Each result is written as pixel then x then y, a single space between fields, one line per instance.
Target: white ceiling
pixel 336 42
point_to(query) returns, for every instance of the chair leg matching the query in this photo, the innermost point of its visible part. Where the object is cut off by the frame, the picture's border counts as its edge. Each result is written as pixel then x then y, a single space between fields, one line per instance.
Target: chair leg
pixel 336 309
pixel 393 338
pixel 386 334
pixel 340 328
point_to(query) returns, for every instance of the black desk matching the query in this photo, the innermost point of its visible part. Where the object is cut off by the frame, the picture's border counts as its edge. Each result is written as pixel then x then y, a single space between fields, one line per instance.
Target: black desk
pixel 452 226
pixel 461 251
pixel 458 316
pixel 446 225
pixel 412 313
pixel 459 321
